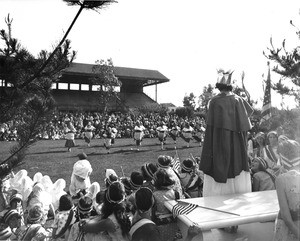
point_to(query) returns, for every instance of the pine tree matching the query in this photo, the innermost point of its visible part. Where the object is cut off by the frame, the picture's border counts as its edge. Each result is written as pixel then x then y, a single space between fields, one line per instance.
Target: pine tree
pixel 27 108
pixel 287 66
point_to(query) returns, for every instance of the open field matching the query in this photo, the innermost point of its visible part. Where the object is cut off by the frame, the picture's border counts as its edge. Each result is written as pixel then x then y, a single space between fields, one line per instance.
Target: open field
pixel 52 158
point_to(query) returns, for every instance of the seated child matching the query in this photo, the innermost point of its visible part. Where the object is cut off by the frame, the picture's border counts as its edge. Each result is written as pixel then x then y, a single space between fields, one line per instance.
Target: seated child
pixel 262 180
pixel 189 179
pixel 80 179
pixel 64 217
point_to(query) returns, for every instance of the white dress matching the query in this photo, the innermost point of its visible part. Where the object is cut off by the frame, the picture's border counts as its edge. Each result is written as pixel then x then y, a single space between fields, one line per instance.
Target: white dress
pixel 187 133
pixel 291 182
pixel 138 133
pixel 239 184
pixel 161 133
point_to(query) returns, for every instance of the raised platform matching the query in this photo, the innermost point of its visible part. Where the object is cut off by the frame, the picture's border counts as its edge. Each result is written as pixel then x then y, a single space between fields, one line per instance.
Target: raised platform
pixel 247 208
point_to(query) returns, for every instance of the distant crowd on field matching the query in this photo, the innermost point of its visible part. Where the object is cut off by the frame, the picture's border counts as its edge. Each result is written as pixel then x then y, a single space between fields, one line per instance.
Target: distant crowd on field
pixel 124 123
pixel 127 208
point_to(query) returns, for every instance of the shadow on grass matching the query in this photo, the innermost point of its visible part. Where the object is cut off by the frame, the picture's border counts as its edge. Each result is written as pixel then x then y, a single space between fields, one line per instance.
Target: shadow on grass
pixel 39 153
pixel 135 151
pixel 119 151
pixel 172 148
pixel 55 147
pixel 98 154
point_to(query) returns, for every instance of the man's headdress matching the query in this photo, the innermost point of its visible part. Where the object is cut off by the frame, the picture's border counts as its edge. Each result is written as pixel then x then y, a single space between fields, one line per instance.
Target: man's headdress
pixel 224 76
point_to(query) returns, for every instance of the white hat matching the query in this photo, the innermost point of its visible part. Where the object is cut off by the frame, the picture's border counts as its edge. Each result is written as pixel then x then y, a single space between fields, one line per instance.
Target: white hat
pixel 108 174
pixel 82 168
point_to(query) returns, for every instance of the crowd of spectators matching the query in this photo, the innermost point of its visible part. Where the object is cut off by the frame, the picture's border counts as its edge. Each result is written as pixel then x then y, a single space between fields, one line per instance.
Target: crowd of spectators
pixel 272 160
pixel 124 123
pixel 85 212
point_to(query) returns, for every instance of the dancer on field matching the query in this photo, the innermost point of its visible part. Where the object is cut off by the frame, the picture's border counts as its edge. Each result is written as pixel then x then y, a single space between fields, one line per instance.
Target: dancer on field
pixel 70 135
pixel 138 134
pixel 108 139
pixel 114 133
pixel 88 133
pixel 162 131
pixel 174 132
pixel 187 134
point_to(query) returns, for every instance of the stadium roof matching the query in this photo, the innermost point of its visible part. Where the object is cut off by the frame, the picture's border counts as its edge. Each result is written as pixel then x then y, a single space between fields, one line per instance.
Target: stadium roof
pixel 147 76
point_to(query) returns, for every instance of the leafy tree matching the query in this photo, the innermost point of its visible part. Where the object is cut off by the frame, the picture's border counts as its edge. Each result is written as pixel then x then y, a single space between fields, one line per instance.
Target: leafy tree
pixel 27 107
pixel 107 81
pixel 184 112
pixel 285 120
pixel 153 108
pixel 84 4
pixel 287 66
pixel 26 100
pixel 204 98
pixel 189 101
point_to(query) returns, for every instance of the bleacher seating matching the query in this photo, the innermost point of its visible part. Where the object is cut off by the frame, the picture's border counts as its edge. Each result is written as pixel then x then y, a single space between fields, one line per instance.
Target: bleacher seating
pixel 88 100
pixel 136 100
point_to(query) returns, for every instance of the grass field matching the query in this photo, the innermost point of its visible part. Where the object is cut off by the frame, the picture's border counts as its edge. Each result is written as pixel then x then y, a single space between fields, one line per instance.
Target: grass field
pixel 51 157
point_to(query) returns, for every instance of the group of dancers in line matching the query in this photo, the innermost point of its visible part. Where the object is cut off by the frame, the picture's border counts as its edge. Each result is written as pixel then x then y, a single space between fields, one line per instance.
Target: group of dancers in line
pixel 187 133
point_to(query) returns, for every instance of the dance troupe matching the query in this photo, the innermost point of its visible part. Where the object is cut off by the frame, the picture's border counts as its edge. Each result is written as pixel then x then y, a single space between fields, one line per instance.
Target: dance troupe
pixel 187 133
pixel 132 208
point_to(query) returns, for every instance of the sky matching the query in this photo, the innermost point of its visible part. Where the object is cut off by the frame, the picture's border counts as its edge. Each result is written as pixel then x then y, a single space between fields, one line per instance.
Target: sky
pixel 187 41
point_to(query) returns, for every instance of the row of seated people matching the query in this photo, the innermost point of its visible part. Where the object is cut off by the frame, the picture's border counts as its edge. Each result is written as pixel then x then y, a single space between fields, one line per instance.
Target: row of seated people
pixel 268 152
pixel 109 213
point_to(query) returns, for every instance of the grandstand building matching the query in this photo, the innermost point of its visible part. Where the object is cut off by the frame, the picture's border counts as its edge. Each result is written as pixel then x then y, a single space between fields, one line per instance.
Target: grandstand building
pixel 75 91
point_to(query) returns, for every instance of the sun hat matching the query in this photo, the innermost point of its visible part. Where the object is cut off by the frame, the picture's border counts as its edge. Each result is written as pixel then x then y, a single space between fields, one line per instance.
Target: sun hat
pixel 163 161
pixel 110 176
pixel 187 165
pixel 144 199
pixel 9 214
pixel 35 214
pixel 17 196
pixel 148 170
pixel 82 156
pixel 65 202
pixel 126 182
pixel 162 179
pixel 82 168
pixel 136 180
pixel 115 194
pixel 85 204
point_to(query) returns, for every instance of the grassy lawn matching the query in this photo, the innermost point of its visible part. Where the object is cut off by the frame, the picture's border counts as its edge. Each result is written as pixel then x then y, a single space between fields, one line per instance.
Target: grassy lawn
pixel 51 157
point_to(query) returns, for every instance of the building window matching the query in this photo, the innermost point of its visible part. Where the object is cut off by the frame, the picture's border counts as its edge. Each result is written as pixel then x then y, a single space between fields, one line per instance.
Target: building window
pixel 62 86
pixel 74 86
pixel 95 87
pixel 84 87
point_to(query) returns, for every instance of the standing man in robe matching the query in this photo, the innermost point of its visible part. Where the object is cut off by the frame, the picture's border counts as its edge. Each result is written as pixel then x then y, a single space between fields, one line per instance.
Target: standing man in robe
pixel 224 159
